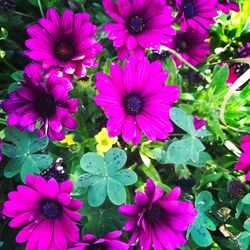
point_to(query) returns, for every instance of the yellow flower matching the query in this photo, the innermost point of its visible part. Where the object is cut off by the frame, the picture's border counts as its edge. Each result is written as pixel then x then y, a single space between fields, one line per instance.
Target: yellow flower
pixel 69 139
pixel 104 142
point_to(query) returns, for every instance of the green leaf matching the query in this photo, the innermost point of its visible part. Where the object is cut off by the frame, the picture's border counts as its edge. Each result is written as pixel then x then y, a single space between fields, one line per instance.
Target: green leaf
pixel 243 240
pixel 208 222
pixel 13 167
pixel 247 224
pixel 115 159
pixel 116 192
pixel 210 178
pixel 202 133
pixel 182 120
pixel 97 193
pixel 29 167
pixel 160 155
pixel 239 209
pixel 93 164
pixel 86 180
pixel 12 151
pixel 17 137
pixel 219 78
pixel 200 234
pixel 203 158
pixel 17 76
pixel 36 143
pixel 187 148
pixel 246 199
pixel 204 201
pixel 151 172
pixel 126 177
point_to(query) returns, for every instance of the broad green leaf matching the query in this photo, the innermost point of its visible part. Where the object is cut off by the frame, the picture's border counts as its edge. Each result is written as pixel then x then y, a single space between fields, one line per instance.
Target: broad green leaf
pixel 115 159
pixel 219 78
pixel 29 167
pixel 204 201
pixel 243 240
pixel 17 76
pixel 86 180
pixel 182 120
pixel 246 199
pixel 37 144
pixel 179 151
pixel 17 137
pixel 151 172
pixel 13 167
pixel 210 178
pixel 116 192
pixel 196 148
pixel 43 161
pixel 97 193
pixel 247 224
pixel 203 158
pixel 12 151
pixel 93 164
pixel 239 209
pixel 160 155
pixel 200 234
pixel 208 222
pixel 202 133
pixel 126 177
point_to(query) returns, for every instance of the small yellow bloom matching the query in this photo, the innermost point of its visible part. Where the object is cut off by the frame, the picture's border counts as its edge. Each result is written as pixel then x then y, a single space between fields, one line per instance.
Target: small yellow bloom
pixel 69 139
pixel 104 142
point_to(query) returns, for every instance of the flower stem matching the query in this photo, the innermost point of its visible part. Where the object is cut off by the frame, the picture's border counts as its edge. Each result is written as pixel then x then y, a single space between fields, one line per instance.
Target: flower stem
pixel 22 14
pixel 188 64
pixel 40 7
pixel 10 66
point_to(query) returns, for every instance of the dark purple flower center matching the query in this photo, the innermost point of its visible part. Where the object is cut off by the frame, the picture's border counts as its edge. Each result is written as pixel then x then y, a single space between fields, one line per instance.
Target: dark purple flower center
pixel 236 188
pixel 133 104
pixel 136 24
pixel 51 209
pixel 153 215
pixel 188 8
pixel 100 246
pixel 181 45
pixel 64 51
pixel 45 106
pixel 240 68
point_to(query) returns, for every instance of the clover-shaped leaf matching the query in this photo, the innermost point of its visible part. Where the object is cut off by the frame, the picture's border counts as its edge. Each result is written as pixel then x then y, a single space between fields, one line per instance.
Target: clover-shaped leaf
pixel 199 229
pixel 104 177
pixel 21 148
pixel 182 120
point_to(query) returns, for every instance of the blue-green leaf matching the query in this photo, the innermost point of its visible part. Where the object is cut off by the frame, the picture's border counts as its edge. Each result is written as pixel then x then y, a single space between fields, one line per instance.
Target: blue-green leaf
pixel 126 177
pixel 13 167
pixel 204 202
pixel 97 193
pixel 116 192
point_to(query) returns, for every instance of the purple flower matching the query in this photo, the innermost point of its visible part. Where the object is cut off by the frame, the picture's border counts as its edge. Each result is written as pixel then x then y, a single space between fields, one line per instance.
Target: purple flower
pixel 66 43
pixel 136 100
pixel 244 160
pixel 46 212
pixel 227 5
pixel 244 50
pixel 198 122
pixel 191 46
pixel 108 242
pixel 44 104
pixel 138 25
pixel 197 14
pixel 158 220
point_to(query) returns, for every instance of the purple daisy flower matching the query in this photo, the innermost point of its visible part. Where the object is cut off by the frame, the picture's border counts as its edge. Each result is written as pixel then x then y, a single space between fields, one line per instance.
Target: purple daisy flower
pixel 227 5
pixel 46 212
pixel 197 14
pixel 191 45
pixel 198 122
pixel 244 159
pixel 47 103
pixel 65 42
pixel 138 25
pixel 156 220
pixel 108 242
pixel 135 99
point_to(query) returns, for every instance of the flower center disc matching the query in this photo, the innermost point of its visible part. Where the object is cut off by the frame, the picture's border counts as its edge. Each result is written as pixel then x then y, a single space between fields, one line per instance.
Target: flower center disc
pixel 51 209
pixel 45 106
pixel 64 51
pixel 154 215
pixel 188 9
pixel 133 104
pixel 136 24
pixel 181 45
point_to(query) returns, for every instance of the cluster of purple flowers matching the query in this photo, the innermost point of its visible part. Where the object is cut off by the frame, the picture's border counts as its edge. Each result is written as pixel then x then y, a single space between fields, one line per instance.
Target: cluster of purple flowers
pixel 135 100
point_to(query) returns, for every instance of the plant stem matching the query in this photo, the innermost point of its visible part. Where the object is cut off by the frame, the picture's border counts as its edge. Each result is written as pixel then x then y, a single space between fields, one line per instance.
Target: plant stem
pixel 188 64
pixel 10 66
pixel 22 14
pixel 40 7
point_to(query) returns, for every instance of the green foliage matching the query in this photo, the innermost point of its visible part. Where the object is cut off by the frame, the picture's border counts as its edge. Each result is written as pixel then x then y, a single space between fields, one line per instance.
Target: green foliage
pixel 199 229
pixel 104 177
pixel 21 147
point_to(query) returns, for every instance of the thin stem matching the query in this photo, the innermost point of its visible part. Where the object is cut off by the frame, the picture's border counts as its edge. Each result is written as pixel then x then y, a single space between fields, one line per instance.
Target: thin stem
pixel 40 7
pixel 10 66
pixel 188 64
pixel 22 14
